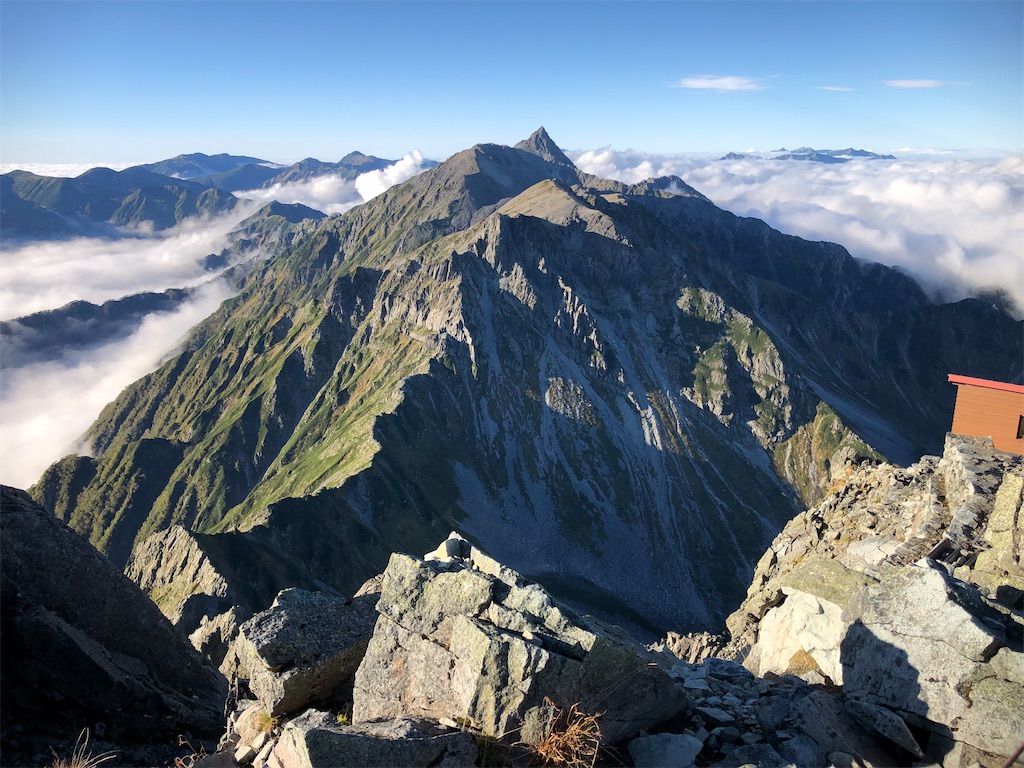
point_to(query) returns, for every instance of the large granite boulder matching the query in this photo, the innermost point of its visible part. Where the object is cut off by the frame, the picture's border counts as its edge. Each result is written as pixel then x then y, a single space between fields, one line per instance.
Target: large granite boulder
pixel 934 649
pixel 466 639
pixel 802 635
pixel 962 509
pixel 303 648
pixel 83 645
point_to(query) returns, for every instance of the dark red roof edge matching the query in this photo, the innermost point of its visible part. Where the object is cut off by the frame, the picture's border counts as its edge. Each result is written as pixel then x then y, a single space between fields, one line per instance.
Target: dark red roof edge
pixel 987 383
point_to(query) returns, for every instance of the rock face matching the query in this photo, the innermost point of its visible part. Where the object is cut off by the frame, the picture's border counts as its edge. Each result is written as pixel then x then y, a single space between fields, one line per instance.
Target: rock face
pixel 903 588
pixel 963 509
pixel 208 585
pixel 930 647
pixel 83 645
pixel 471 641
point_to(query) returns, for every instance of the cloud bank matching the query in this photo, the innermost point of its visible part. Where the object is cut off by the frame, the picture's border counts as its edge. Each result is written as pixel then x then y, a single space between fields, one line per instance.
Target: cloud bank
pixel 333 194
pixel 955 222
pixel 46 407
pixel 41 275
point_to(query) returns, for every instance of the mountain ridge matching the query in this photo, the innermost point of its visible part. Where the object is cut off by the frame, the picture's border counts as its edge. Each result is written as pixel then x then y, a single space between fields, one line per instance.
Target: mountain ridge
pixel 504 344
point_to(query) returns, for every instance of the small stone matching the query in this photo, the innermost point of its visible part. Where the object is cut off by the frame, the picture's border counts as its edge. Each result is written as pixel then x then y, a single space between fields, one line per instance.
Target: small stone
pixel 750 738
pixel 264 755
pixel 715 716
pixel 244 754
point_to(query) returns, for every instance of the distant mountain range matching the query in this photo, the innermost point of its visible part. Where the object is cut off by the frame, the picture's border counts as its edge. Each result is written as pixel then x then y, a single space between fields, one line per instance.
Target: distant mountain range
pixel 46 206
pixel 809 154
pixel 159 194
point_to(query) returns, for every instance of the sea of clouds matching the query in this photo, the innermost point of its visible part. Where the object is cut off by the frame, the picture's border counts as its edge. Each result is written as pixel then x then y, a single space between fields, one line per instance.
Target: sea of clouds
pixel 954 221
pixel 46 407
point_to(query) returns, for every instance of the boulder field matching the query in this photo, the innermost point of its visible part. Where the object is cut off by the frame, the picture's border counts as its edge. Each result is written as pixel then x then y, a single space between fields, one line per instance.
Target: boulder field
pixel 883 627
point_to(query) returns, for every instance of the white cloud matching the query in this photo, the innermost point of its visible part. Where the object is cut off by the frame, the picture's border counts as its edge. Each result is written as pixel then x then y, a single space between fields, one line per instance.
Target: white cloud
pixel 722 83
pixel 955 222
pixel 841 88
pixel 330 194
pixel 373 183
pixel 333 194
pixel 45 408
pixel 41 275
pixel 913 83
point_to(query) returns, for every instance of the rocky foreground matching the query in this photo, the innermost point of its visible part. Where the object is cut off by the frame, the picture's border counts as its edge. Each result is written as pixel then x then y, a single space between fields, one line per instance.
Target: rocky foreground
pixel 884 627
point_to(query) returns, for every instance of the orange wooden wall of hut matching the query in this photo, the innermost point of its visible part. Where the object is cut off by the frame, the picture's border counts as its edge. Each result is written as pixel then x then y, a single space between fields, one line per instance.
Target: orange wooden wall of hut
pixel 993 409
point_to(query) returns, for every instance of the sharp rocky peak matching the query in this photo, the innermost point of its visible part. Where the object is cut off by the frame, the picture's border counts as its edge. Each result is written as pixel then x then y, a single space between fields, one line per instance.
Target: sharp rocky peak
pixel 540 143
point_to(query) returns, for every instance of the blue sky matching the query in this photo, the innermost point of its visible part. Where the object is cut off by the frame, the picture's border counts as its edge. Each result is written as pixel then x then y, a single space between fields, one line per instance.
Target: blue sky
pixel 140 81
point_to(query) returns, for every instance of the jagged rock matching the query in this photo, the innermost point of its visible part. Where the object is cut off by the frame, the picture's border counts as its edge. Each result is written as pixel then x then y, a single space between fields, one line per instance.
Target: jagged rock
pixel 677 750
pixel 761 755
pixel 886 723
pixel 303 647
pixel 928 645
pixel 963 509
pixel 481 645
pixel 998 570
pixel 82 644
pixel 823 718
pixel 802 750
pixel 694 646
pixel 316 740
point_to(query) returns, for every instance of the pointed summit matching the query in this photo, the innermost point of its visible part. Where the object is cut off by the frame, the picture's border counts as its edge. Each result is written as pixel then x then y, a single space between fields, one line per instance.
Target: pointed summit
pixel 540 143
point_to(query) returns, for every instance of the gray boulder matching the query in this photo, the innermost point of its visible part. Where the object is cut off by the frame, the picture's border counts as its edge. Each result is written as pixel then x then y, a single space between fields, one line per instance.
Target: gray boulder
pixel 478 644
pixel 676 749
pixel 303 648
pixel 316 740
pixel 82 644
pixel 931 647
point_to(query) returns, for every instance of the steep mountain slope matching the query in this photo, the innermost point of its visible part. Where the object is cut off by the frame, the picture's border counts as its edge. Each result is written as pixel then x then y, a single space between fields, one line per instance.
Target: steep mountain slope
pixel 619 389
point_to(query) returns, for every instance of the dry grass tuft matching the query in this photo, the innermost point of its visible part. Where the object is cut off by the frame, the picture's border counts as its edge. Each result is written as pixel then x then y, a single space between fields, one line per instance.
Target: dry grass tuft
pixel 80 757
pixel 571 738
pixel 192 758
